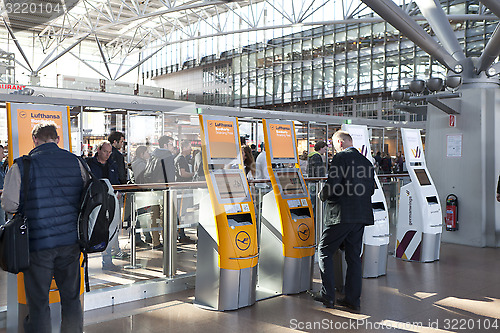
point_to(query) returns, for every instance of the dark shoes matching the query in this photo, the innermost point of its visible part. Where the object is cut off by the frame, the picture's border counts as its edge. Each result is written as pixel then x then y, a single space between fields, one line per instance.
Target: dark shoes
pixel 141 244
pixel 158 247
pixel 345 304
pixel 121 255
pixel 318 297
pixel 110 267
pixel 185 240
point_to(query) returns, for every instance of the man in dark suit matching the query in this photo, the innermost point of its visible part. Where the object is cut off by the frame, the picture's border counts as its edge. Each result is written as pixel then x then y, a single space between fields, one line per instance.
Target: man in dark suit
pixel 348 190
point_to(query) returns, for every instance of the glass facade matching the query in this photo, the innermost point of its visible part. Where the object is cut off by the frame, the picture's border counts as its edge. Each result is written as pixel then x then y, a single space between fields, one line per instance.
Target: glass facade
pixel 345 70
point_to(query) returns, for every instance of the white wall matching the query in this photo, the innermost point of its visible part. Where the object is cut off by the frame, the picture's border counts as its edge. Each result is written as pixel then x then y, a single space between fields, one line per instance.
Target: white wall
pixel 190 80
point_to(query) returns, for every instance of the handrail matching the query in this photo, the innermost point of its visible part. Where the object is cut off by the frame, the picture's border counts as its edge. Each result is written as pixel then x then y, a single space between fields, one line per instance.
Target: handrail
pixel 198 184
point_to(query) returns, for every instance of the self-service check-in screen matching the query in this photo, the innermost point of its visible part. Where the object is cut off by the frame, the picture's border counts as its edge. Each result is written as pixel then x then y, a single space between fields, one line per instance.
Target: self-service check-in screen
pixel 291 183
pixel 221 136
pixel 231 186
pixel 422 177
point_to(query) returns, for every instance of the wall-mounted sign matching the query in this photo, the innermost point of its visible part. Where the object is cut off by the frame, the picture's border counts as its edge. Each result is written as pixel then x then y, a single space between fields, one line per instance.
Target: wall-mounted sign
pixel 453 120
pixel 454 145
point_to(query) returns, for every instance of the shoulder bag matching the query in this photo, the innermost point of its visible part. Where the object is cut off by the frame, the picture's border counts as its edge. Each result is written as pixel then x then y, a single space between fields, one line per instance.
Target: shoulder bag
pixel 14 238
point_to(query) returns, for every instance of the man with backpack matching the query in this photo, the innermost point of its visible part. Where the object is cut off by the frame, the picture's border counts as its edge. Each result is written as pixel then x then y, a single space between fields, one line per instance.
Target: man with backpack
pixel 160 169
pixel 103 167
pixel 57 179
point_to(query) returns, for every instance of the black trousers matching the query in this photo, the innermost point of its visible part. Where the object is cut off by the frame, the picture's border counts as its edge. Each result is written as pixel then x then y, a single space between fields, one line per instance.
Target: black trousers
pixel 352 236
pixel 63 263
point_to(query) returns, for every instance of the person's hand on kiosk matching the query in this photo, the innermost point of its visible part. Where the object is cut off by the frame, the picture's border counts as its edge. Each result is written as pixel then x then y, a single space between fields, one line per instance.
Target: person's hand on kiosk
pixel 498 197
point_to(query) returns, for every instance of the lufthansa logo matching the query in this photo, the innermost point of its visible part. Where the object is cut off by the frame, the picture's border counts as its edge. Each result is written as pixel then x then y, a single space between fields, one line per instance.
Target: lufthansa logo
pixel 242 240
pixel 22 114
pixel 303 231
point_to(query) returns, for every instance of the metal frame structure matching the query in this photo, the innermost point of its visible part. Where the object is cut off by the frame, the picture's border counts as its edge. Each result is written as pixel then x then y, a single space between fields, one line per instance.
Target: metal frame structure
pixel 127 33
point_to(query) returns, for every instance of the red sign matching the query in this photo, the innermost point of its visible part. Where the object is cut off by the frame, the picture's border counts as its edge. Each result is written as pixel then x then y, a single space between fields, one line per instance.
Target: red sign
pixel 453 122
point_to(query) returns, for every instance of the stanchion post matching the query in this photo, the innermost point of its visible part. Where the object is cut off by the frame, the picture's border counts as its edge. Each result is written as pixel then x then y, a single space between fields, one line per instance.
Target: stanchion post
pixel 259 214
pixel 133 221
pixel 319 212
pixel 169 233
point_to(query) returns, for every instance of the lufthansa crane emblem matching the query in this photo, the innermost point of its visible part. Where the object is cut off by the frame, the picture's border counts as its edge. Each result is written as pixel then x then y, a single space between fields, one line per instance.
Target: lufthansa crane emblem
pixel 303 231
pixel 242 240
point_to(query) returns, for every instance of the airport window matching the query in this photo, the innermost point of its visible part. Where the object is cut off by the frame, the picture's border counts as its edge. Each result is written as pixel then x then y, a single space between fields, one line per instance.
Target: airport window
pixel 328 62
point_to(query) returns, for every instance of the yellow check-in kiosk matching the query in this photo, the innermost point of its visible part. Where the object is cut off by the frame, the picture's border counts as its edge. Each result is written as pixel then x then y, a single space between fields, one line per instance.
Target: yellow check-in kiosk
pixel 21 118
pixel 287 237
pixel 226 270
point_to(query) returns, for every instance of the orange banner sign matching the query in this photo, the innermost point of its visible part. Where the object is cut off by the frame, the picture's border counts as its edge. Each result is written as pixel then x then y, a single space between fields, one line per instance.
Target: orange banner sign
pixel 27 119
pixel 22 118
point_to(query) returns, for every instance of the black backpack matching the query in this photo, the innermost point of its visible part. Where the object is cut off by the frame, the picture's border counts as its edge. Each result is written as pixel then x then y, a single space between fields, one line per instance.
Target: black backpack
pixel 97 210
pixel 158 170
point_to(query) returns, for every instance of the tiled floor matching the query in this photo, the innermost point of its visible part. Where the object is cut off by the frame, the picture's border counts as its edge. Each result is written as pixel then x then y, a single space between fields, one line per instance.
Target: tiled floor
pixel 459 293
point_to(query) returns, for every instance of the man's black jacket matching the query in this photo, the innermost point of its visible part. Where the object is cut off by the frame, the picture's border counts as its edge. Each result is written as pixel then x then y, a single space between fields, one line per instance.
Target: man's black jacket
pixel 120 165
pixel 351 184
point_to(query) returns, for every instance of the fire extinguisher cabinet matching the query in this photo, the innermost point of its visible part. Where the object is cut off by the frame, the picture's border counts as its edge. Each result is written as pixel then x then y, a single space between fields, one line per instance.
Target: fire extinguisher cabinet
pixel 451 218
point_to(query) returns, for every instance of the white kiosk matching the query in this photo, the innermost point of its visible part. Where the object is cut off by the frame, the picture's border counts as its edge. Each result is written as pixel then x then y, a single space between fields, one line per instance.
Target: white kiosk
pixel 376 236
pixel 420 219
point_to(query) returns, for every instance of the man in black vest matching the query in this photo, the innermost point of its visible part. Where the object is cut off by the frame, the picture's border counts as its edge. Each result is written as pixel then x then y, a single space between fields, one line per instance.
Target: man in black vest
pixel 349 188
pixel 57 180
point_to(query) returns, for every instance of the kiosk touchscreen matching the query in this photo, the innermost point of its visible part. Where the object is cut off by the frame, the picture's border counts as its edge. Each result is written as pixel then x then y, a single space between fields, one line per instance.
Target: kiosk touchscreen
pixel 226 270
pixel 376 236
pixel 420 219
pixel 287 242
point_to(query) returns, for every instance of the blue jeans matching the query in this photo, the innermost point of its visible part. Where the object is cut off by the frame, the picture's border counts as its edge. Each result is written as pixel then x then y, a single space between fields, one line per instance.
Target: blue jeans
pixel 62 263
pixel 351 234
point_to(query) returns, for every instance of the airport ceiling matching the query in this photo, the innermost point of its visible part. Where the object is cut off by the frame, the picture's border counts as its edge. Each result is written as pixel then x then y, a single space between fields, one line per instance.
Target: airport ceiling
pixel 123 27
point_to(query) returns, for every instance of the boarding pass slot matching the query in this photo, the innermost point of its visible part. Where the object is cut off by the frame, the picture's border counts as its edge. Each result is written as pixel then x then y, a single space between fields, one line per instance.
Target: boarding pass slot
pixel 237 220
pixel 378 207
pixel 432 200
pixel 300 213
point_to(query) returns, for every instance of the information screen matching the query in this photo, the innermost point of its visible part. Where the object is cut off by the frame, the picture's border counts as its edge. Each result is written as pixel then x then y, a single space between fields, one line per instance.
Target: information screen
pixel 230 185
pixel 282 141
pixel 422 177
pixel 291 183
pixel 221 137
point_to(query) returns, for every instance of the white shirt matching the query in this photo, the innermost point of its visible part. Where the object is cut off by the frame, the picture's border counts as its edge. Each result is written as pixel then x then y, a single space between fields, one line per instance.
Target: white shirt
pixel 261 167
